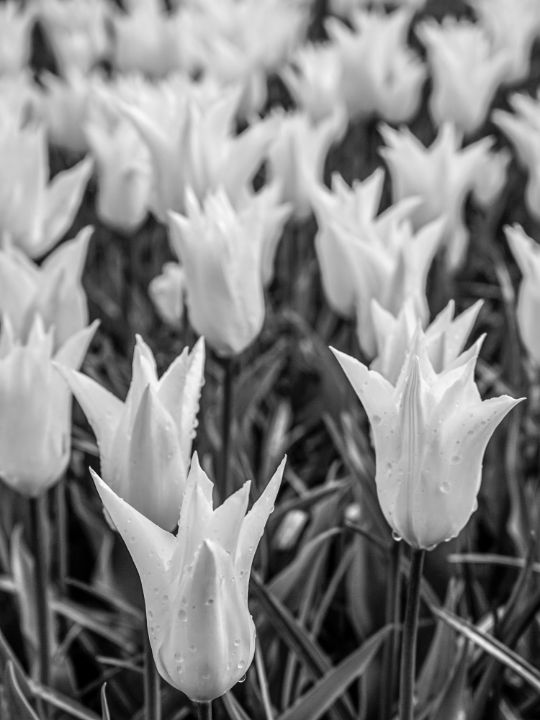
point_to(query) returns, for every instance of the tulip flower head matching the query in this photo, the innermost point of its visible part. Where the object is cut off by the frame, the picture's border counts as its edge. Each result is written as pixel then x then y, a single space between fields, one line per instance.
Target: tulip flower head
pixel 77 32
pixel 441 175
pixel 35 405
pixel 512 26
pixel 314 81
pixel 192 143
pixel 52 290
pixel 466 72
pixel 196 584
pixel 35 213
pixel 445 337
pixel 15 27
pixel 123 168
pixel 522 127
pixel 347 8
pixel 167 293
pixel 296 157
pixel 380 75
pixel 222 251
pixel 346 215
pixel 527 255
pixel 145 442
pixel 144 39
pixel 430 432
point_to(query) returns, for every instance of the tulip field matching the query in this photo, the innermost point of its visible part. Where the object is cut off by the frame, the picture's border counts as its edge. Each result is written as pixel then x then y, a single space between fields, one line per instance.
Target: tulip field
pixel 270 359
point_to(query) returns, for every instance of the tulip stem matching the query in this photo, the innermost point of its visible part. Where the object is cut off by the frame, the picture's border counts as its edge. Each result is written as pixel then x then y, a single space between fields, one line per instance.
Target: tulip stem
pixel 61 535
pixel 204 711
pixel 152 697
pixel 410 632
pixel 226 423
pixel 127 246
pixel 38 542
pixel 392 616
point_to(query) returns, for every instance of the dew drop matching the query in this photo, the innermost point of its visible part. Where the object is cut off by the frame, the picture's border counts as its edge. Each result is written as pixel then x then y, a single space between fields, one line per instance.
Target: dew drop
pixel 193 648
pixel 241 664
pixel 210 601
pixel 377 419
pixel 242 679
pixel 396 537
pixel 182 615
pixel 455 459
pixel 444 487
pixel 236 643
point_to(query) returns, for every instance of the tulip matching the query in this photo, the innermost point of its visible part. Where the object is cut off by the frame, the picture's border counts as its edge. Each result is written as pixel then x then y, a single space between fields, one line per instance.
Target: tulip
pixel 527 255
pixel 345 216
pixel 441 176
pixel 444 337
pixel 314 81
pixel 222 251
pixel 381 75
pixel 144 39
pixel 34 214
pixel 522 126
pixel 77 32
pixel 466 72
pixel 15 27
pixel 192 143
pixel 296 157
pixel 65 102
pixel 52 290
pixel 196 584
pixel 167 293
pixel 20 99
pixel 430 432
pixel 35 417
pixel 512 26
pixel 145 442
pixel 491 177
pixel 123 167
pixel 246 41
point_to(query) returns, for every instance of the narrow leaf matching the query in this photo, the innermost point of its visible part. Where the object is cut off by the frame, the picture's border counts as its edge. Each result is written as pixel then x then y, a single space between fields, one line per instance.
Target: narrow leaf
pixel 322 696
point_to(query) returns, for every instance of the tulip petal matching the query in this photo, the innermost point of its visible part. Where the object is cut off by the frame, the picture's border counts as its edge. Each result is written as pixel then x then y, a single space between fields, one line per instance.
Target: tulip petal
pixel 150 547
pixel 254 523
pixel 72 352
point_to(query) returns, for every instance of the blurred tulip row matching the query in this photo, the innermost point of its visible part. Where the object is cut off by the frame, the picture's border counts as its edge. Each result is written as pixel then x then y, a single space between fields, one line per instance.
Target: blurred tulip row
pixel 196 199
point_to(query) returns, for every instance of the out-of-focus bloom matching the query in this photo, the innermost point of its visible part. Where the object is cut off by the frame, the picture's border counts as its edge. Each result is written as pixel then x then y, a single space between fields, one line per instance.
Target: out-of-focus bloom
pixel 52 290
pixel 512 26
pixel 35 416
pixel 466 72
pixel 522 126
pixel 192 144
pixel 347 215
pixel 445 337
pixel 145 39
pixel 246 40
pixel 123 167
pixel 221 249
pixel 195 585
pixel 527 254
pixel 16 23
pixel 77 32
pixel 381 76
pixel 65 102
pixel 35 213
pixel 20 99
pixel 296 157
pixel 441 176
pixel 167 293
pixel 491 177
pixel 430 432
pixel 266 210
pixel 314 81
pixel 347 8
pixel 145 442
pixel 391 270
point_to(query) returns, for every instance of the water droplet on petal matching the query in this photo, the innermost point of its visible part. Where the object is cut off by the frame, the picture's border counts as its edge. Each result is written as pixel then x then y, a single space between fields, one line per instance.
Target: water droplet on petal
pixel 396 537
pixel 444 487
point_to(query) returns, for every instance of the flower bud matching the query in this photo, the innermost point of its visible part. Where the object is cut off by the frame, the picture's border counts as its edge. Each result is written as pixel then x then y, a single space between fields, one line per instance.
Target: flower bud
pixel 145 442
pixel 196 584
pixel 35 415
pixel 430 432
